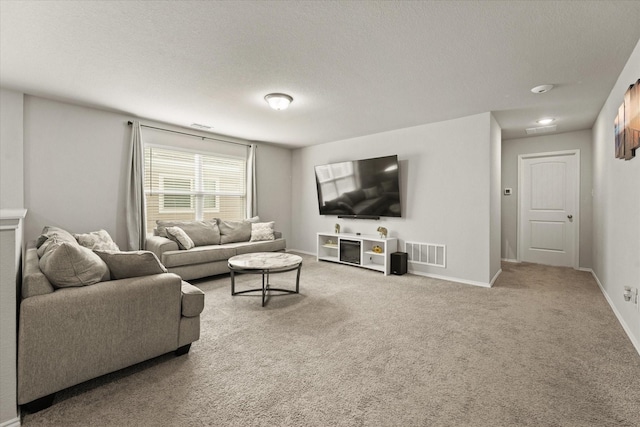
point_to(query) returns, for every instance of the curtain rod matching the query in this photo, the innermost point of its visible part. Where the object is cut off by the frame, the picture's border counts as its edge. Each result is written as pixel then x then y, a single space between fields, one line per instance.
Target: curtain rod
pixel 190 134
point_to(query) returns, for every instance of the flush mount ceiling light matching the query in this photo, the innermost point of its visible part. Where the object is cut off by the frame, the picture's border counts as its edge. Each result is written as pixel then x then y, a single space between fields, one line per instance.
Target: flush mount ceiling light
pixel 545 121
pixel 542 88
pixel 278 101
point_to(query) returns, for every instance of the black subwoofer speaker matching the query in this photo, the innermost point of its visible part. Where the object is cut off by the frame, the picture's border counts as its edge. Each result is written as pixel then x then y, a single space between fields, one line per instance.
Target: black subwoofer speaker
pixel 398 263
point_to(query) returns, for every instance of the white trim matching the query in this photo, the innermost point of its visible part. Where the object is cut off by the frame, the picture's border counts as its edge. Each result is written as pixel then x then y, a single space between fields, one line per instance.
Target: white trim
pixel 14 422
pixel 495 277
pixel 451 279
pixel 626 328
pixel 521 157
pixel 515 261
pixel 588 270
pixel 315 254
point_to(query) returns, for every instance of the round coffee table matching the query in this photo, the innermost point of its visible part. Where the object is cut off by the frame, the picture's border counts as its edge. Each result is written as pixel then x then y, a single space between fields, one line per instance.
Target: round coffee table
pixel 265 263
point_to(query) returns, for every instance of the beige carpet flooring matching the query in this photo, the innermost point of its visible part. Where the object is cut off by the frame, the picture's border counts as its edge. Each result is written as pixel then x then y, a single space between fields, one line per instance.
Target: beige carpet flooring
pixel 541 348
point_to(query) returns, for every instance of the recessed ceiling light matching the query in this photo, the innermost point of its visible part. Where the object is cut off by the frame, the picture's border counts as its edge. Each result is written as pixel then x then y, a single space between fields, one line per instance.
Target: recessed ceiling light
pixel 542 88
pixel 278 101
pixel 545 121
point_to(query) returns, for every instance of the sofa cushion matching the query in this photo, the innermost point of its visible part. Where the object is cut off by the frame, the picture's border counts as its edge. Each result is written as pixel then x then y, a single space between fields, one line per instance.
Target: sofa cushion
pixel 192 300
pixel 131 264
pixel 234 231
pixel 262 231
pixel 197 255
pixel 264 246
pixel 179 236
pixel 202 233
pixel 68 264
pixel 100 240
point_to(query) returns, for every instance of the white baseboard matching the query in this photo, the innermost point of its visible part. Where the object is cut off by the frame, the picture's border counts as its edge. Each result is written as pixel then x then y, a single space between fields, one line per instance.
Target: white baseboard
pixel 495 278
pixel 15 422
pixel 302 252
pixel 515 261
pixel 453 279
pixel 626 328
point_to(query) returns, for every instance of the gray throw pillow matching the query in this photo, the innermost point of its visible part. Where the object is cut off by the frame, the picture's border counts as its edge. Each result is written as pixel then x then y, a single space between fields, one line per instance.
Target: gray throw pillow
pixel 202 233
pixel 131 264
pixel 234 231
pixel 178 235
pixel 68 264
pixel 50 231
pixel 97 240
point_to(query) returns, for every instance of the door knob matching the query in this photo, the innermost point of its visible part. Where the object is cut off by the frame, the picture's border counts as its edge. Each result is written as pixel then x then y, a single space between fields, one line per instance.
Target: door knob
pixel 569 216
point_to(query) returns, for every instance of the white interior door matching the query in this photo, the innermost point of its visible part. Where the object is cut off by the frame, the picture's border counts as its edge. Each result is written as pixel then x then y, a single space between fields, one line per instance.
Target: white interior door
pixel 548 208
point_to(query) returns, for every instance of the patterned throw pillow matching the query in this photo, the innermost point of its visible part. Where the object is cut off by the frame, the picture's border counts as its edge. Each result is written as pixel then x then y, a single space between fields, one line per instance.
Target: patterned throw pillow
pixel 261 231
pixel 97 240
pixel 178 235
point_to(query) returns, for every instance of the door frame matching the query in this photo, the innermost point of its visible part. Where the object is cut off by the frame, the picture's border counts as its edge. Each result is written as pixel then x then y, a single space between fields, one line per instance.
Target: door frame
pixel 521 158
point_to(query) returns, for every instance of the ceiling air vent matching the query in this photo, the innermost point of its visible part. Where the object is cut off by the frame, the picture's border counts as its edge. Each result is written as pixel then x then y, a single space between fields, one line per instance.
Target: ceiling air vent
pixel 199 126
pixel 541 129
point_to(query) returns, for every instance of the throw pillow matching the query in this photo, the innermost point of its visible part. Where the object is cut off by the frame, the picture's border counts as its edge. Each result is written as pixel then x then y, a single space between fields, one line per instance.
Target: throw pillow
pixel 100 240
pixel 178 235
pixel 49 231
pixel 131 264
pixel 234 231
pixel 202 233
pixel 261 231
pixel 68 264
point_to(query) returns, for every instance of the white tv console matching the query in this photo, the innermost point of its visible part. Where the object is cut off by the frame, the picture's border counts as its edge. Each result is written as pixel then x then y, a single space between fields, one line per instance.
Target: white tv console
pixel 329 249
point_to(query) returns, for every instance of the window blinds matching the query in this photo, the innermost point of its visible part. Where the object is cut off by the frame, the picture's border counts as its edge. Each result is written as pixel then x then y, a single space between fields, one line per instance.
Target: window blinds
pixel 190 185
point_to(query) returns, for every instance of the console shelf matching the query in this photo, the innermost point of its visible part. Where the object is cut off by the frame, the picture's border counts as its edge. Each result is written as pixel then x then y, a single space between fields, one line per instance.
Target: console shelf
pixel 330 248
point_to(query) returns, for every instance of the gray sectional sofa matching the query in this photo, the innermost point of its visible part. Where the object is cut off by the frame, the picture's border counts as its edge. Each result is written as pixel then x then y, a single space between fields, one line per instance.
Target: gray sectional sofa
pixel 86 313
pixel 210 244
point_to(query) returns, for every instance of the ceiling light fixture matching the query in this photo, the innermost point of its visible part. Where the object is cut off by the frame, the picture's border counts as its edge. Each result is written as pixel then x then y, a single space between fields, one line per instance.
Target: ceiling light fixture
pixel 546 121
pixel 542 89
pixel 278 101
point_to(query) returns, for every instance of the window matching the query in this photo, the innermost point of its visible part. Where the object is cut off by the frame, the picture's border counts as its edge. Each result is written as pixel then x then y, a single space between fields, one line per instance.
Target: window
pixel 187 185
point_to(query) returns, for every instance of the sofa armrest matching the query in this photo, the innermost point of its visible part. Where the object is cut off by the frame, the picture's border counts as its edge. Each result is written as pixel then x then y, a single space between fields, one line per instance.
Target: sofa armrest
pixel 159 245
pixel 192 300
pixel 34 282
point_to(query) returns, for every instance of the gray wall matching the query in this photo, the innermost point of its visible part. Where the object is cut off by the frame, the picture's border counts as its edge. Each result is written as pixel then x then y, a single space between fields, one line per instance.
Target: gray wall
pixel 445 183
pixel 75 171
pixel 511 149
pixel 11 153
pixel 616 208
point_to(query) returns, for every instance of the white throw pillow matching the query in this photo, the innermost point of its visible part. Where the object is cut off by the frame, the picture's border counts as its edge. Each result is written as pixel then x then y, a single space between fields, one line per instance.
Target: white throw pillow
pixel 261 231
pixel 179 236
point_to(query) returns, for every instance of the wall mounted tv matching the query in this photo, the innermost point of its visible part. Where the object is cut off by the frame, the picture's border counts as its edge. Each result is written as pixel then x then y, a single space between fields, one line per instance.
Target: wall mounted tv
pixel 367 188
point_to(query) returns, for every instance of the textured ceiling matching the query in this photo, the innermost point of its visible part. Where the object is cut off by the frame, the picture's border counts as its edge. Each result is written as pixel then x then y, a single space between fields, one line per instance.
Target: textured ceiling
pixel 353 68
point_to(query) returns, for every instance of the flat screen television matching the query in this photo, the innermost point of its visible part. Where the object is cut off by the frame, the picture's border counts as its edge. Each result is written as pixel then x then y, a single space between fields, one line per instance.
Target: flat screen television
pixel 367 188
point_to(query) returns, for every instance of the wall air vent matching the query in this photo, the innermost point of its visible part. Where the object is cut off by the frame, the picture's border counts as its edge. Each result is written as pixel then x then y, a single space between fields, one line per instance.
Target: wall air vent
pixel 541 129
pixel 426 253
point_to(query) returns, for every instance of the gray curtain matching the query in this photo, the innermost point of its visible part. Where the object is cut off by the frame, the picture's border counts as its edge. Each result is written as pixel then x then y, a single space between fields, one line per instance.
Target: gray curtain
pixel 252 200
pixel 135 209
